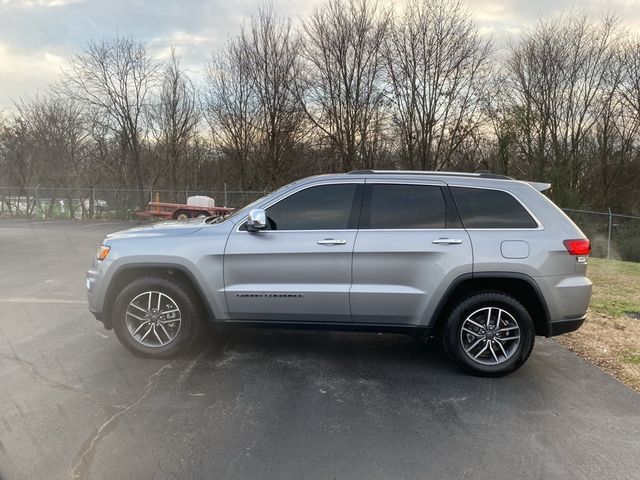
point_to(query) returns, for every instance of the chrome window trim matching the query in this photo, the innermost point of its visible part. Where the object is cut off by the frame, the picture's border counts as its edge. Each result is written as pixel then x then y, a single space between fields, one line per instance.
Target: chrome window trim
pixel 540 227
pixel 426 182
pixel 361 230
pixel 410 230
pixel 532 229
pixel 297 231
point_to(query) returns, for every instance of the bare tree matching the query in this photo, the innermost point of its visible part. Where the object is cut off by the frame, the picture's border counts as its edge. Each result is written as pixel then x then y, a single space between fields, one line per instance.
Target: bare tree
pixel 57 128
pixel 17 163
pixel 627 124
pixel 357 86
pixel 558 75
pixel 438 68
pixel 115 76
pixel 175 120
pixel 274 66
pixel 630 80
pixel 343 91
pixel 232 110
pixel 252 109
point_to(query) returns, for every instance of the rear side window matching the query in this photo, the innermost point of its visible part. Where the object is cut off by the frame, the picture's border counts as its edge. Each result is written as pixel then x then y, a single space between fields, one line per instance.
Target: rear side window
pixel 324 207
pixel 406 207
pixel 484 208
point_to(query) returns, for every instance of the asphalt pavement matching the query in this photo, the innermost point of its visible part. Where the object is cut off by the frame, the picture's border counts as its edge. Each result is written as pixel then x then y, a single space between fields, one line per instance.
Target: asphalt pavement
pixel 252 404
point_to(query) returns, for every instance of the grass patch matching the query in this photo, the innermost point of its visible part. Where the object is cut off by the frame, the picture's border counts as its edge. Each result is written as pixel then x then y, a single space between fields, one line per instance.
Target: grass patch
pixel 616 286
pixel 609 338
pixel 633 358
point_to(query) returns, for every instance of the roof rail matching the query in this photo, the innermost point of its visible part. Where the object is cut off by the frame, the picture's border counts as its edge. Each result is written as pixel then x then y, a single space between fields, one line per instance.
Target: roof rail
pixel 480 173
pixel 488 174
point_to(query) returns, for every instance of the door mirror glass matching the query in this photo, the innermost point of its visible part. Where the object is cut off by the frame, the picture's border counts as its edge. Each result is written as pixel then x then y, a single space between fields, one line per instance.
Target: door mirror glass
pixel 257 220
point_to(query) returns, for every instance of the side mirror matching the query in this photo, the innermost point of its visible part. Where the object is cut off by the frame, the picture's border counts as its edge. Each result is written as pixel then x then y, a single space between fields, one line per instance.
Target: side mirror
pixel 257 220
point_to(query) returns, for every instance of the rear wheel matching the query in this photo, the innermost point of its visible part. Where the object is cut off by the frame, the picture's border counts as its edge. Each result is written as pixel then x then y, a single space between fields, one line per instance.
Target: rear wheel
pixel 156 317
pixel 182 215
pixel 489 334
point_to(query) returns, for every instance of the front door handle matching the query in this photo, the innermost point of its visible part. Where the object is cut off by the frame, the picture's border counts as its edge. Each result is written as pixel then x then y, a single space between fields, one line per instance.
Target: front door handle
pixel 447 241
pixel 331 241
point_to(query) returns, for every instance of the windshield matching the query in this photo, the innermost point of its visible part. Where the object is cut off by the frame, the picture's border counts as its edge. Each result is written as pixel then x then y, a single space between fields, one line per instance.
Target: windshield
pixel 224 218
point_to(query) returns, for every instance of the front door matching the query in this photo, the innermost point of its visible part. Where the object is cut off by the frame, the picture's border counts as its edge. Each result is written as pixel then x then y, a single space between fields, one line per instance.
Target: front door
pixel 299 269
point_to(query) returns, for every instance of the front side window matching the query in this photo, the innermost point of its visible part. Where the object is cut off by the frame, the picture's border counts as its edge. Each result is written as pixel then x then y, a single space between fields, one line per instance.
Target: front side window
pixel 485 208
pixel 396 206
pixel 323 207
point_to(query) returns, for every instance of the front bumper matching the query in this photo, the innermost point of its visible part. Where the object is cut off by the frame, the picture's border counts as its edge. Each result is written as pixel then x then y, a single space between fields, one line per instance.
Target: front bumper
pixel 101 318
pixel 94 284
pixel 566 325
pixel 97 315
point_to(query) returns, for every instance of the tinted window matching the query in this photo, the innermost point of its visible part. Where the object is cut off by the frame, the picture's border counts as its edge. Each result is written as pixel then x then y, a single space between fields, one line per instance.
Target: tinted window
pixel 481 208
pixel 406 206
pixel 325 207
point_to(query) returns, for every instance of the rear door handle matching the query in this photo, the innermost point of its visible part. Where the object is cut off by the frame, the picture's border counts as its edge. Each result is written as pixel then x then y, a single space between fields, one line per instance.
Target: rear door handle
pixel 331 241
pixel 447 241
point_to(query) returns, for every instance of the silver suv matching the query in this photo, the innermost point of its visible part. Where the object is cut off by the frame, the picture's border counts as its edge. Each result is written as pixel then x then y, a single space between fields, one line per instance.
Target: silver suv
pixel 482 261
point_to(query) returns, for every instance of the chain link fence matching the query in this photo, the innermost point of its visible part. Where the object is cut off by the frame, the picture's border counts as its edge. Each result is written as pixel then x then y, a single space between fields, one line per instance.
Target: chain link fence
pixel 613 235
pixel 104 203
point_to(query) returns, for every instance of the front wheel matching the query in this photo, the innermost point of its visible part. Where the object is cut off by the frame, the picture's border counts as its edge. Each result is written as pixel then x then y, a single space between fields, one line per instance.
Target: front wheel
pixel 489 334
pixel 156 317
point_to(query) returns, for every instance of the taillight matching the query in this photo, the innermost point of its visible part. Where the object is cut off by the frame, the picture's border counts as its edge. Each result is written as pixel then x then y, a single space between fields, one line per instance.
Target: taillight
pixel 580 246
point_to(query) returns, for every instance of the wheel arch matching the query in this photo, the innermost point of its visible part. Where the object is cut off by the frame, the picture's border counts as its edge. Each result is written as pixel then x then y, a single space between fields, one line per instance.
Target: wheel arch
pixel 128 273
pixel 520 286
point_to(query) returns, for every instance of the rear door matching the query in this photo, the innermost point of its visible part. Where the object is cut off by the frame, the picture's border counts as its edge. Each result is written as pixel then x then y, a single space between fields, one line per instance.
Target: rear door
pixel 410 247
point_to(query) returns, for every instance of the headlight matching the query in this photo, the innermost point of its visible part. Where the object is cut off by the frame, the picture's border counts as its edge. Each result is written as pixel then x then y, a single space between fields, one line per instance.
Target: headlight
pixel 103 251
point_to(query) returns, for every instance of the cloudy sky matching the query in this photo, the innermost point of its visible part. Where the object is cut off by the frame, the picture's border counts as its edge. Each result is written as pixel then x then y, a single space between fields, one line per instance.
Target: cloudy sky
pixel 37 36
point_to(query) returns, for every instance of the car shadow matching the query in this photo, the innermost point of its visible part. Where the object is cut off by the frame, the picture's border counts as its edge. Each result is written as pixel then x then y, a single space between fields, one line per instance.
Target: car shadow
pixel 321 349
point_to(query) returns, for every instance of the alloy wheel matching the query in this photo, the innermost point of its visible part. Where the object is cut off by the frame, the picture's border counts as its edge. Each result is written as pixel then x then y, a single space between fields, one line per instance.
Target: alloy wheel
pixel 490 336
pixel 153 319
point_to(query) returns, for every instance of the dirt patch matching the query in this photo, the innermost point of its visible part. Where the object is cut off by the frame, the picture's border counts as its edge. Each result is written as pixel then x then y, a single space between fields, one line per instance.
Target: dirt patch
pixel 613 344
pixel 610 337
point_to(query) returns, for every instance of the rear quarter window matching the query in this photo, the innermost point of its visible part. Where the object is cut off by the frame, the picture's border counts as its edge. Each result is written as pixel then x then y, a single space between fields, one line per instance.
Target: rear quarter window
pixel 486 208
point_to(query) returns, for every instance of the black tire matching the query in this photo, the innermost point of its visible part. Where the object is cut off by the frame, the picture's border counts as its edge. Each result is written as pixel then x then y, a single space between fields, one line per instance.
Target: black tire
pixel 451 333
pixel 182 215
pixel 182 296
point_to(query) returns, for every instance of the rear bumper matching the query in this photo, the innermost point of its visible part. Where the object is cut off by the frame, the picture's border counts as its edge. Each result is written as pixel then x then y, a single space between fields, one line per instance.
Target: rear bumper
pixel 567 298
pixel 566 325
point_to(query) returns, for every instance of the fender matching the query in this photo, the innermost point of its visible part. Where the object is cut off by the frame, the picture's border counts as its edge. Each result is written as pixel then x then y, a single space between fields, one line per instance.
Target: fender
pixel 448 295
pixel 200 290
